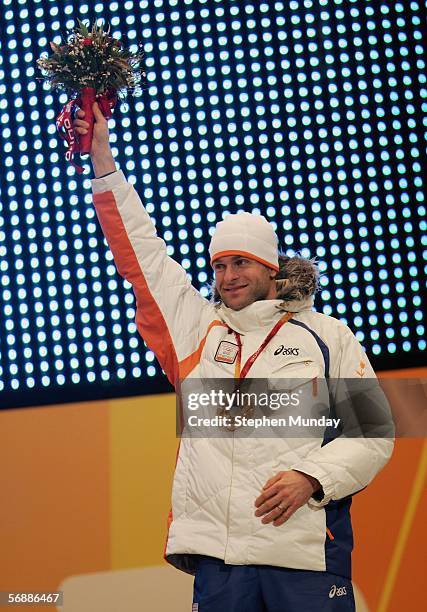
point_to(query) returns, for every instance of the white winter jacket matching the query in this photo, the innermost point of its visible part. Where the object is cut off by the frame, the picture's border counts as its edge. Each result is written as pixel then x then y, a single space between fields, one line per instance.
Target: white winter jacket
pixel 217 479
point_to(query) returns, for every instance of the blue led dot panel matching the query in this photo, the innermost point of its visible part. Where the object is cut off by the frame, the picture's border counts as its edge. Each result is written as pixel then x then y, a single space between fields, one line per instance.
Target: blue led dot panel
pixel 311 112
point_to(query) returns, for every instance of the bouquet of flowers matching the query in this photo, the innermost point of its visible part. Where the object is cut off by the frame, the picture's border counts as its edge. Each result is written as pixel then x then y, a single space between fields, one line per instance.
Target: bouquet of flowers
pixel 91 66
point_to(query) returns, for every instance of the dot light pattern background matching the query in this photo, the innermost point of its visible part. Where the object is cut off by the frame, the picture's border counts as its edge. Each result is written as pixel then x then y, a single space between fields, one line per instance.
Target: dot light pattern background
pixel 311 112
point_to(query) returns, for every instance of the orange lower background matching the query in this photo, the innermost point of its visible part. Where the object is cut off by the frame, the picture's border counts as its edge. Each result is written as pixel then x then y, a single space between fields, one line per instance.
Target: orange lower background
pixel 86 488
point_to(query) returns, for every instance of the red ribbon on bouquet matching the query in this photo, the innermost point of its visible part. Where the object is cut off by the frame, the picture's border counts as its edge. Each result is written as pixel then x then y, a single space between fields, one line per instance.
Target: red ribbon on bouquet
pixel 64 121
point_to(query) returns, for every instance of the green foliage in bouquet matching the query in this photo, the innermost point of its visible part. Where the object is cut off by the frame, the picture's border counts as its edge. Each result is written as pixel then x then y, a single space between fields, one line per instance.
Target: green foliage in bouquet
pixel 93 58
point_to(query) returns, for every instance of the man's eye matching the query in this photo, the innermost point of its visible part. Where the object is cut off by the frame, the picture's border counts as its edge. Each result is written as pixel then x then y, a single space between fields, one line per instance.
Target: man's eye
pixel 242 262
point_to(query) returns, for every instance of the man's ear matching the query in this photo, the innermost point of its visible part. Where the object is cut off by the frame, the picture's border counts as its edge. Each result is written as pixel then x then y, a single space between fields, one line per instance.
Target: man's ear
pixel 273 273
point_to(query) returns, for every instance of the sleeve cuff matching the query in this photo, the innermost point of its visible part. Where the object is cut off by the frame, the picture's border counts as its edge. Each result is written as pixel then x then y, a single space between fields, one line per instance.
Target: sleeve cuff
pixel 107 183
pixel 312 469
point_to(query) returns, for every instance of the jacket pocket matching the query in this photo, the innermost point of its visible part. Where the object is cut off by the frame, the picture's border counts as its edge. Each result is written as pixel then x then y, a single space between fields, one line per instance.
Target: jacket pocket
pixel 296 376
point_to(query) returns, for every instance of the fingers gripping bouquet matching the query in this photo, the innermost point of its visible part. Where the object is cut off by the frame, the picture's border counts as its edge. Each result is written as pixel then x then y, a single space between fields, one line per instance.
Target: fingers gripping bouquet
pixel 91 66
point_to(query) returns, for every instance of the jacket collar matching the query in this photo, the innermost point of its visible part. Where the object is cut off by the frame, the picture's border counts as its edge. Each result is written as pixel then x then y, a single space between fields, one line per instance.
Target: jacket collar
pixel 261 314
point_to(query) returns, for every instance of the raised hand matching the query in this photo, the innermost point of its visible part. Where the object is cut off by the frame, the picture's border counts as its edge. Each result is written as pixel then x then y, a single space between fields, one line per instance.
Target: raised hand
pixel 100 153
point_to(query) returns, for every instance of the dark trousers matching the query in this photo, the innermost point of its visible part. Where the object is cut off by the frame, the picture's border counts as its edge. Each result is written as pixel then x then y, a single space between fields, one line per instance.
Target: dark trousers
pixel 219 587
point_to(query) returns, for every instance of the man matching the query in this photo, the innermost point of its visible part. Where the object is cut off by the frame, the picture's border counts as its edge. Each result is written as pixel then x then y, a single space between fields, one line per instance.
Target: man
pixel 262 523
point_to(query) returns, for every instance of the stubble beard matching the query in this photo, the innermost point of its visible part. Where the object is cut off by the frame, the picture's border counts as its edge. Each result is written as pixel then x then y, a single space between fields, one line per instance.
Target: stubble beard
pixel 259 292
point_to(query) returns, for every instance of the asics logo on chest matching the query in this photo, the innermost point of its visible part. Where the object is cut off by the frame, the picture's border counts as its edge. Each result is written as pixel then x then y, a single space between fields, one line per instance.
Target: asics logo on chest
pixel 286 350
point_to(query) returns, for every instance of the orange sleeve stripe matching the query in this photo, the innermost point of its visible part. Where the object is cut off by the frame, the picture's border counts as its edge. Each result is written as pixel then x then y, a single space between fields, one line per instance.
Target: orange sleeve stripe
pixel 244 254
pixel 188 364
pixel 149 319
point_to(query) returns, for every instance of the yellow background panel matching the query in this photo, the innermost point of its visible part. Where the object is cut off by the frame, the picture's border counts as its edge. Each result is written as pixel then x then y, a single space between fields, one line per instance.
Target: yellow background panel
pixel 143 455
pixel 55 500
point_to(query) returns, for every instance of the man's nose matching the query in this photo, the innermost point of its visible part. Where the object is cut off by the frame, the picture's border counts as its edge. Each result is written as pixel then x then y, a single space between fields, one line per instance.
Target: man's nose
pixel 230 274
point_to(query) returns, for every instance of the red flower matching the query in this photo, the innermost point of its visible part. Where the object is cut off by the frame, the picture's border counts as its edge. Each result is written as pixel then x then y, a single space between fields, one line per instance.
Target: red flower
pixel 87 41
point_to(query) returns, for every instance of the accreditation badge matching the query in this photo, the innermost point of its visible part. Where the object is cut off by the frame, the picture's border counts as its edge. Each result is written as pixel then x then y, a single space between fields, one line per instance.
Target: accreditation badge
pixel 226 352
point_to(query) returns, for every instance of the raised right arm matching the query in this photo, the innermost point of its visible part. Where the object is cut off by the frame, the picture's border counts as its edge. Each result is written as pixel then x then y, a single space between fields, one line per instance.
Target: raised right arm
pixel 168 307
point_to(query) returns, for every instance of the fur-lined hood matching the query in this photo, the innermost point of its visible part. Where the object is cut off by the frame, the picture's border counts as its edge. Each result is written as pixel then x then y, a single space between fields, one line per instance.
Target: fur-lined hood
pixel 297 279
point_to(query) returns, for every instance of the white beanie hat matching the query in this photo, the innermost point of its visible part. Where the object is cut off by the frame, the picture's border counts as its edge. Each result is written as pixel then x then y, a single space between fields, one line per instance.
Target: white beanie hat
pixel 246 234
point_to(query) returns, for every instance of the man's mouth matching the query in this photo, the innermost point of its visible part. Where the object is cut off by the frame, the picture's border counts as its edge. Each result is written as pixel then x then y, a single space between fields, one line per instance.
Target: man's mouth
pixel 235 289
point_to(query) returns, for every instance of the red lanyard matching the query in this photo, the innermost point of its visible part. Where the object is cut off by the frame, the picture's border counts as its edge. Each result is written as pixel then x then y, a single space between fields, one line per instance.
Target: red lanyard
pixel 240 374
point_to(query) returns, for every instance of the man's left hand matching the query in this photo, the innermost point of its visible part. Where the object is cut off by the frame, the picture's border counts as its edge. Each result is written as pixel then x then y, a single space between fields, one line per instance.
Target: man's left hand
pixel 283 494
